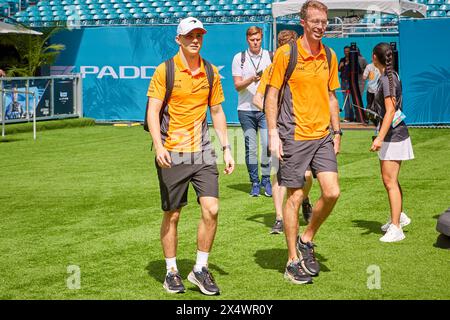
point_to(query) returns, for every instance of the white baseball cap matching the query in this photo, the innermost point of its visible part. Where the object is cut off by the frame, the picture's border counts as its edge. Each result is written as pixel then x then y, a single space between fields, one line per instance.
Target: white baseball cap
pixel 188 24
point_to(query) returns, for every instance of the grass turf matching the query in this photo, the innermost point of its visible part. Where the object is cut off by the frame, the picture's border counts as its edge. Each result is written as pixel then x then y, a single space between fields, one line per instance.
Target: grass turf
pixel 89 197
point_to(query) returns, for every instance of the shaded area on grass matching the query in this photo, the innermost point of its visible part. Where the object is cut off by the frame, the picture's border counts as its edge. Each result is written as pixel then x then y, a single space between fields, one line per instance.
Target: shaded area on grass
pixel 370 226
pixel 266 219
pixel 48 125
pixel 275 259
pixel 442 242
pixel 244 187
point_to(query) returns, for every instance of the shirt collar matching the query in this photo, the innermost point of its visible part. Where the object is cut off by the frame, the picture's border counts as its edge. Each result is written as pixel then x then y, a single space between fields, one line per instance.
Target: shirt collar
pixel 255 55
pixel 180 65
pixel 307 55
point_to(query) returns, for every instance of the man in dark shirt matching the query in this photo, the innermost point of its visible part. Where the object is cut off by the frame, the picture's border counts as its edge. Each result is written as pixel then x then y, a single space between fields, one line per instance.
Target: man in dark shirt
pixel 344 70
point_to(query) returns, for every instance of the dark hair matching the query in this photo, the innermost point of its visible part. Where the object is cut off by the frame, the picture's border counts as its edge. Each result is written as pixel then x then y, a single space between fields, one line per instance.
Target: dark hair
pixel 286 36
pixel 312 4
pixel 383 52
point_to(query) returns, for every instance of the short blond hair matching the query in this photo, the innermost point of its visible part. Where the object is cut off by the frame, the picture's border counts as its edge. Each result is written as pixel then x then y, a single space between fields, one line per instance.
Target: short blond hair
pixel 254 30
pixel 312 4
pixel 286 36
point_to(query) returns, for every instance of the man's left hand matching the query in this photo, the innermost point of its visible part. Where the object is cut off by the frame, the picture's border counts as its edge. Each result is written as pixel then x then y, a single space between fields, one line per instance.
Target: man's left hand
pixel 337 144
pixel 229 162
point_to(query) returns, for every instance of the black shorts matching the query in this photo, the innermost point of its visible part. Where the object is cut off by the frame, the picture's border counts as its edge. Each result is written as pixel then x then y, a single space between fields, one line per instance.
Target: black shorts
pixel 199 168
pixel 299 155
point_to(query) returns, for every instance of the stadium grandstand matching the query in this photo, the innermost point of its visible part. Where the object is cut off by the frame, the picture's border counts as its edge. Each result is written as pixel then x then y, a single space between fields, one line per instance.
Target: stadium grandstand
pixel 140 33
pixel 47 13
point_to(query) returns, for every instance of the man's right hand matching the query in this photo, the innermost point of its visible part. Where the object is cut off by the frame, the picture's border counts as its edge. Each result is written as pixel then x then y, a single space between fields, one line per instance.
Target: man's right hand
pixel 163 157
pixel 275 145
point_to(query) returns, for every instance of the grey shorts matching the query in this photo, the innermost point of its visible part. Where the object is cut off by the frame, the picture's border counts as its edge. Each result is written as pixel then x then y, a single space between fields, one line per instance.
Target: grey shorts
pixel 298 155
pixel 198 168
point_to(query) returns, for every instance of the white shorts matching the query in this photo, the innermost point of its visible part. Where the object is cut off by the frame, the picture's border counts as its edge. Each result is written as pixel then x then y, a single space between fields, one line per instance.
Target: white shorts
pixel 398 151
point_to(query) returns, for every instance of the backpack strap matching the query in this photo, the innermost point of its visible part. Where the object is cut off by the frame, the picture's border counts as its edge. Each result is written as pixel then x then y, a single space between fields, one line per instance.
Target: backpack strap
pixel 292 62
pixel 242 59
pixel 271 55
pixel 329 57
pixel 210 75
pixel 287 75
pixel 170 79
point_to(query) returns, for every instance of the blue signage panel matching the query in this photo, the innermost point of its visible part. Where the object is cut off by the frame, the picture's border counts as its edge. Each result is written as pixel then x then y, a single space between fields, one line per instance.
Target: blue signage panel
pixel 425 70
pixel 117 64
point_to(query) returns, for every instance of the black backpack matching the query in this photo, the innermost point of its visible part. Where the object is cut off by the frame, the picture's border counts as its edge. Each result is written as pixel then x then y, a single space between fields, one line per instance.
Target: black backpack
pixel 170 79
pixel 290 70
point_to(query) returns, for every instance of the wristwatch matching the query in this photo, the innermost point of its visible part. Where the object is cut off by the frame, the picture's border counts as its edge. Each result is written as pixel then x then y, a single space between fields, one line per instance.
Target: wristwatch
pixel 226 147
pixel 335 132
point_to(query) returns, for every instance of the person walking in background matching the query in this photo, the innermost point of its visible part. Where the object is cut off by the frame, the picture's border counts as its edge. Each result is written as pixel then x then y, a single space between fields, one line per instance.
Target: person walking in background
pixel 278 192
pixel 371 75
pixel 247 68
pixel 299 133
pixel 393 142
pixel 344 70
pixel 183 155
pixel 362 64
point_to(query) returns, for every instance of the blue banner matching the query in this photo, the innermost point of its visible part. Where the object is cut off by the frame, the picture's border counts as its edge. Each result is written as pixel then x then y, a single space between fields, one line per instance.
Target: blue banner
pixel 425 70
pixel 117 64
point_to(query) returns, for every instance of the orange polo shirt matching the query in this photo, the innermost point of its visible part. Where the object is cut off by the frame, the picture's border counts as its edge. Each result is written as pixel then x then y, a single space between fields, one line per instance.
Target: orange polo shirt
pixel 264 81
pixel 187 106
pixel 309 85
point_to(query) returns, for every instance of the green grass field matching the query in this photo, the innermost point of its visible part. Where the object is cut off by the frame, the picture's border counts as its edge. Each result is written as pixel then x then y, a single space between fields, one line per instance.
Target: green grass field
pixel 89 197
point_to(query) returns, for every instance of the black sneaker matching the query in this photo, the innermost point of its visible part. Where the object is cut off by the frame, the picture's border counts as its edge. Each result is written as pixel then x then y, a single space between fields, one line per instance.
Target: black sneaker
pixel 306 210
pixel 173 283
pixel 295 273
pixel 205 281
pixel 305 253
pixel 277 227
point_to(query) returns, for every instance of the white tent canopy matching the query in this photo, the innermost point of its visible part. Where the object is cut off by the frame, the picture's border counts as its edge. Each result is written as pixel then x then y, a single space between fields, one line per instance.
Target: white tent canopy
pixel 16 29
pixel 344 7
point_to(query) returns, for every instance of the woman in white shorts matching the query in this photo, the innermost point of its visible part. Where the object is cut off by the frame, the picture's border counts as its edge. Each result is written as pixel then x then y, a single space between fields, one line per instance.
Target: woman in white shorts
pixel 393 142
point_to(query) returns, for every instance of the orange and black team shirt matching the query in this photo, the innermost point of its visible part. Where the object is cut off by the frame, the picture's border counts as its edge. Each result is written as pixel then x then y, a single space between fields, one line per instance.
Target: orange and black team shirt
pixel 184 127
pixel 264 81
pixel 305 112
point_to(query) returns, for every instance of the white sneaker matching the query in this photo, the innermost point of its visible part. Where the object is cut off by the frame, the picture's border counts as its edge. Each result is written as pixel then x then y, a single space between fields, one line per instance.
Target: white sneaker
pixel 404 221
pixel 393 234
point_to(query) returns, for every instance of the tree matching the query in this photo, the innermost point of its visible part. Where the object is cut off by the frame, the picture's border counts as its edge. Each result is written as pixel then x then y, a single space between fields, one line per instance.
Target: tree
pixel 34 51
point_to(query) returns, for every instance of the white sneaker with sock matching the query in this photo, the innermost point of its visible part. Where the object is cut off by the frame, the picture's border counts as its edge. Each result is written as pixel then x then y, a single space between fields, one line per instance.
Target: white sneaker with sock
pixel 404 221
pixel 393 234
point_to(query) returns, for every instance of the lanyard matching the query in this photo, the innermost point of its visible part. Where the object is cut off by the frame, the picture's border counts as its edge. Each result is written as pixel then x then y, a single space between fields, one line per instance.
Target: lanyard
pixel 259 62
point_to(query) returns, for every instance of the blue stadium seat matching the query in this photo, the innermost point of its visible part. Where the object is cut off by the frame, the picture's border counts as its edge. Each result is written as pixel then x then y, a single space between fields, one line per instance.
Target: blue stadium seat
pixel 243 7
pixel 432 7
pixel 180 14
pixel 229 7
pixel 188 8
pixel 157 4
pixel 438 14
pixel 250 12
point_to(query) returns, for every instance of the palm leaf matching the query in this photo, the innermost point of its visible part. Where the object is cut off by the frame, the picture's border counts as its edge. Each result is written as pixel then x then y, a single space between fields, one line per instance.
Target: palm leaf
pixel 431 97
